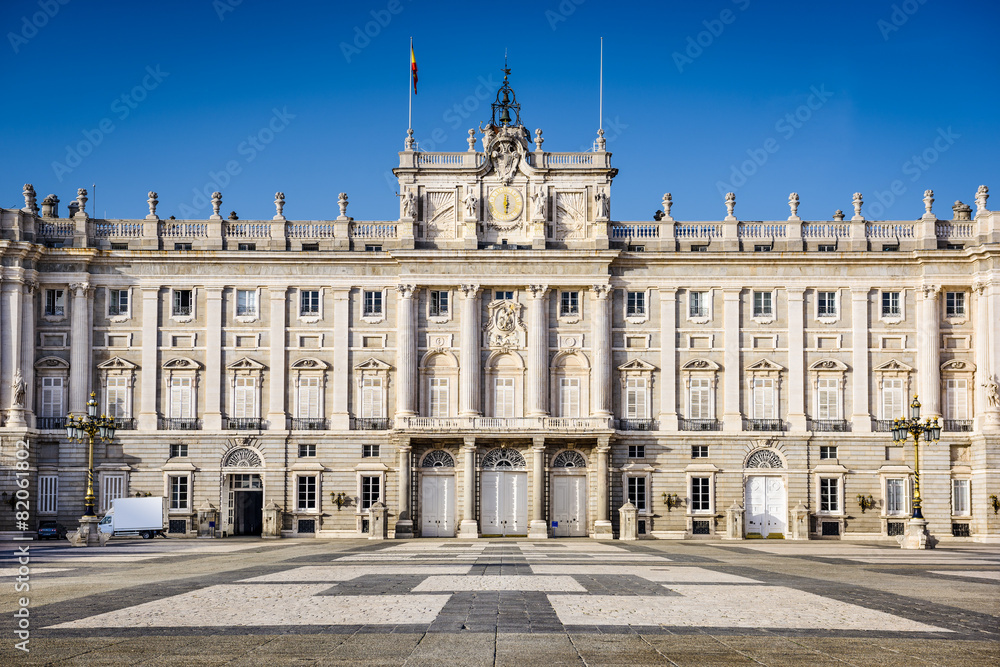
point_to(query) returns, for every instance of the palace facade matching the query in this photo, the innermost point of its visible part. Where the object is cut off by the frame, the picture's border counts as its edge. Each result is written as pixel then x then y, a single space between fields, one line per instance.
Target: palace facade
pixel 506 358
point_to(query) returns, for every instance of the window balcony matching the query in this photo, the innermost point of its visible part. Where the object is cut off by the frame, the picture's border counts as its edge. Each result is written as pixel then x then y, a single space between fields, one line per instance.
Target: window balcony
pixel 124 423
pixel 246 311
pixel 244 424
pixel 501 424
pixel 882 425
pixel 636 424
pixel 763 425
pixel 699 424
pixel 958 425
pixel 179 424
pixel 307 424
pixel 51 423
pixel 696 311
pixel 829 425
pixel 182 311
pixel 370 423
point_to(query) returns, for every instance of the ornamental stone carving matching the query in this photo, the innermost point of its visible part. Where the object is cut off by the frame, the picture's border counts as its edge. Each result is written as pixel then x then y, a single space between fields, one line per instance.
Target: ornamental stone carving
pixel 405 291
pixel 793 204
pixel 668 201
pixel 29 199
pixel 982 194
pixel 152 201
pixel 438 458
pixel 242 457
pixel 504 329
pixel 928 202
pixel 505 158
pixel 569 458
pixel 471 202
pixel 279 204
pixel 216 203
pixel 602 291
pixel 503 457
pixel 764 458
pixel 603 204
pixel 538 139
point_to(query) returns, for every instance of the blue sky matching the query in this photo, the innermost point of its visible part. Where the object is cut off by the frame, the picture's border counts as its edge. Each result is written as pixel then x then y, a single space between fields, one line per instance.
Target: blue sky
pixel 761 98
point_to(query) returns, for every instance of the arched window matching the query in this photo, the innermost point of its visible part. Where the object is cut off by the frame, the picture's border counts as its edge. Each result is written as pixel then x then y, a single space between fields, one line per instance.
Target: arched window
pixel 503 458
pixel 764 458
pixel 569 459
pixel 437 458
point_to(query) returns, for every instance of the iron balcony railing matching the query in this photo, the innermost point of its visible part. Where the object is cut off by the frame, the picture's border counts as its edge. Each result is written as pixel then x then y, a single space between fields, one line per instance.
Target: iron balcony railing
pixel 51 423
pixel 763 425
pixel 882 425
pixel 179 424
pixel 636 425
pixel 307 424
pixel 244 424
pixel 830 425
pixel 958 425
pixel 699 424
pixel 124 423
pixel 370 423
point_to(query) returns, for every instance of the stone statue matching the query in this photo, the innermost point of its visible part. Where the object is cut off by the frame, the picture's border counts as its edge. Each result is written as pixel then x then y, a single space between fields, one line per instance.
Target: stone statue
pixel 17 388
pixel 928 201
pixel 471 203
pixel 216 203
pixel 668 201
pixel 603 204
pixel 472 140
pixel 858 201
pixel 152 201
pixel 538 139
pixel 982 194
pixel 992 392
pixel 279 204
pixel 488 133
pixel 793 204
pixel 409 204
pixel 730 204
pixel 538 202
pixel 29 199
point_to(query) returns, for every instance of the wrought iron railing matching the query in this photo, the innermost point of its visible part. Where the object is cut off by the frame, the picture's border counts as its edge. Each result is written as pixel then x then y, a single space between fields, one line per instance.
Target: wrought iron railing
pixel 763 425
pixel 370 423
pixel 179 424
pixel 244 424
pixel 124 423
pixel 958 425
pixel 882 425
pixel 307 424
pixel 699 424
pixel 50 423
pixel 636 425
pixel 830 425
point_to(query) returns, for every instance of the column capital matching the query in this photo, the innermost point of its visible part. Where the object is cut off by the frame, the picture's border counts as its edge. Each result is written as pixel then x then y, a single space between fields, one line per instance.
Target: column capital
pixel 213 293
pixel 732 293
pixel 469 444
pixel 278 293
pixel 668 293
pixel 538 443
pixel 537 291
pixel 860 293
pixel 406 290
pixel 151 291
pixel 602 291
pixel 795 293
pixel 930 292
pixel 80 289
pixel 469 291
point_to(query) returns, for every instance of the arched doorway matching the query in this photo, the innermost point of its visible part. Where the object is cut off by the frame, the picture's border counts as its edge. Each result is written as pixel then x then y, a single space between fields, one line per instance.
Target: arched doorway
pixel 766 499
pixel 437 494
pixel 569 494
pixel 504 493
pixel 245 498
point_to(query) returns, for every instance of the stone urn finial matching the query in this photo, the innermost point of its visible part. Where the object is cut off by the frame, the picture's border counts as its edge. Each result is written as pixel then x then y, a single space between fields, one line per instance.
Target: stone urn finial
pixel 793 204
pixel 279 204
pixel 982 194
pixel 29 199
pixel 538 139
pixel 838 216
pixel 601 141
pixel 410 141
pixel 668 201
pixel 342 203
pixel 858 202
pixel 81 202
pixel 152 201
pixel 928 202
pixel 730 205
pixel 216 204
pixel 472 140
pixel 233 216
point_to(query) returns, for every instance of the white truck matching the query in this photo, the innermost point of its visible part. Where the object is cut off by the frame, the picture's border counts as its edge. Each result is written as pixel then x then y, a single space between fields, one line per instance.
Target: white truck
pixel 135 516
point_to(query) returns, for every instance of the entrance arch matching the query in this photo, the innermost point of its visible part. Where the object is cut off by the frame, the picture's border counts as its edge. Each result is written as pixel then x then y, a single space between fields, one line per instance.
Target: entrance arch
pixel 569 494
pixel 243 491
pixel 504 493
pixel 765 495
pixel 437 494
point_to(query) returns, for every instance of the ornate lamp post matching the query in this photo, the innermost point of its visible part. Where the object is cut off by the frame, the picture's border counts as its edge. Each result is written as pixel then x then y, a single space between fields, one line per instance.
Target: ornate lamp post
pixel 87 428
pixel 916 534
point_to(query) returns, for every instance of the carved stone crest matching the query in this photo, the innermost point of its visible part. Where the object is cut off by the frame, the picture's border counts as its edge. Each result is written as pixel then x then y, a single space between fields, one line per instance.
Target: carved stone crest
pixel 505 157
pixel 504 328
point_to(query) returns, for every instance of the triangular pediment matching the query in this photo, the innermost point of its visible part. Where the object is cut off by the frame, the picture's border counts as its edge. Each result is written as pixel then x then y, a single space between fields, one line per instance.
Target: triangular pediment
pixel 182 363
pixel 828 365
pixel 246 364
pixel 700 365
pixel 893 365
pixel 373 364
pixel 310 364
pixel 117 364
pixel 764 365
pixel 637 365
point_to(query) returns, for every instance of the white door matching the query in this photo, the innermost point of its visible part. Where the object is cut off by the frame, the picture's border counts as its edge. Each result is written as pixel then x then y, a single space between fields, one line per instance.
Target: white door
pixel 504 503
pixel 437 506
pixel 569 502
pixel 766 506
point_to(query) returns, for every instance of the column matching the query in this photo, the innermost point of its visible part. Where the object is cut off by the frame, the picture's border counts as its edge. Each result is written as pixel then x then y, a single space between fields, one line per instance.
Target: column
pixel 150 347
pixel 732 419
pixel 469 371
pixel 470 527
pixel 79 353
pixel 861 419
pixel 796 360
pixel 212 414
pixel 28 344
pixel 602 526
pixel 538 352
pixel 404 522
pixel 601 386
pixel 340 417
pixel 929 354
pixel 12 348
pixel 539 528
pixel 668 359
pixel 278 388
pixel 406 353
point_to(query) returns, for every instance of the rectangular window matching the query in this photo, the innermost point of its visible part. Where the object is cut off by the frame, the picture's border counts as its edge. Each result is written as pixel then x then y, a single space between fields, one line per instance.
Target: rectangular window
pixel 244 397
pixel 178 450
pixel 439 303
pixel 700 498
pixel 699 451
pixel 246 303
pixel 826 247
pixel 438 403
pixel 635 398
pixel 503 295
pixel 305 492
pixel 890 304
pixel 183 300
pixel 637 451
pixel 112 488
pixel 308 403
pixel 635 304
pixel 954 304
pixel 762 304
pixel 55 302
pixel 179 492
pixel 699 402
pixel 829 494
pixel 370 451
pixel 373 303
pixel 48 494
pixel 956 394
pixel 892 398
pixel 309 302
pixel 116 396
pixel 118 302
pixel 828 452
pixel 183 246
pixel 698 304
pixel 371 491
pixel 503 397
pixel 569 397
pixel 371 398
pixel 895 496
pixel 826 304
pixel 569 303
pixel 960 497
pixel 306 451
pixel 246 246
pixel 763 399
pixel 181 406
pixel 762 248
pixel 637 492
pixel 52 397
pixel 827 398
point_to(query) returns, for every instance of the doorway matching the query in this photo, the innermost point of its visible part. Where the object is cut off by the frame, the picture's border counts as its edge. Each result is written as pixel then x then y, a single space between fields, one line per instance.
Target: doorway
pixel 766 507
pixel 246 504
pixel 437 505
pixel 569 505
pixel 504 503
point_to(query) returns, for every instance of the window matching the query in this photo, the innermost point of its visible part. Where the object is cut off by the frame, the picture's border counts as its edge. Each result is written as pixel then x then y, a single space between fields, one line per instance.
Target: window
pixel 182 246
pixel 310 247
pixel 48 494
pixel 309 302
pixel 502 295
pixel 763 399
pixel 827 398
pixel 569 303
pixel 699 451
pixel 699 402
pixel 307 451
pixel 637 451
pixel 439 397
pixel 372 303
pixel 762 304
pixel 181 404
pixel 112 488
pixel 372 248
pixel 699 248
pixel 700 494
pixel 825 247
pixel 305 492
pixel 636 491
pixel 635 304
pixel 246 246
pixel 439 303
pixel 371 491
pixel 371 398
pixel 954 304
pixel 956 394
pixel 308 403
pixel 119 246
pixel 182 302
pixel 827 452
pixel 826 304
pixel 892 398
pixel 503 397
pixel 118 302
pixel 829 494
pixel 244 397
pixel 895 496
pixel 52 397
pixel 569 397
pixel 116 396
pixel 890 304
pixel 960 497
pixel 762 248
pixel 178 492
pixel 370 451
pixel 246 303
pixel 698 304
pixel 55 302
pixel 178 450
pixel 635 398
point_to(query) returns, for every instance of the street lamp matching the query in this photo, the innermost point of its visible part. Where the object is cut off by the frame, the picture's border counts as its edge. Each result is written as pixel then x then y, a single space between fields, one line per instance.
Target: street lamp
pixel 931 432
pixel 88 428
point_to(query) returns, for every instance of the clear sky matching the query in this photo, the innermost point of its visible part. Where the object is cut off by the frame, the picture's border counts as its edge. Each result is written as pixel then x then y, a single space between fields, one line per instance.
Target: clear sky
pixel 888 98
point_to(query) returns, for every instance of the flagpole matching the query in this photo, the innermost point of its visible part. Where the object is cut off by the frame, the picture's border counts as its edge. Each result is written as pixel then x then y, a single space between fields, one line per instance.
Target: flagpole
pixel 409 85
pixel 600 104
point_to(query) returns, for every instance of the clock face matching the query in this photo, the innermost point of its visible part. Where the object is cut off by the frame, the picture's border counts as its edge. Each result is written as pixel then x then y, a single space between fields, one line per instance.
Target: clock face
pixel 505 204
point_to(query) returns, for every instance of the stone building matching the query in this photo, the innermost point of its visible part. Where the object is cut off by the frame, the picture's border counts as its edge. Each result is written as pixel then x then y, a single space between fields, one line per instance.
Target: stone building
pixel 505 358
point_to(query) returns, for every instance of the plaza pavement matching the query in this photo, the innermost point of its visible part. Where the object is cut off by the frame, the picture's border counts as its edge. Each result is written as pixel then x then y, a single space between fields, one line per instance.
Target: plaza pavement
pixel 507 602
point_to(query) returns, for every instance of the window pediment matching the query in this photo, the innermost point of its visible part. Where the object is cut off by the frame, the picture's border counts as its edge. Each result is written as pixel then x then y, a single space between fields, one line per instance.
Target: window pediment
pixel 829 365
pixel 893 366
pixel 52 364
pixel 700 365
pixel 245 364
pixel 373 365
pixel 637 366
pixel 764 367
pixel 309 364
pixel 958 366
pixel 181 364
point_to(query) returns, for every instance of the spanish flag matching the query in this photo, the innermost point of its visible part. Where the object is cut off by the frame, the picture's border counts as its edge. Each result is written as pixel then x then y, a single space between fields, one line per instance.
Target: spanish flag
pixel 413 68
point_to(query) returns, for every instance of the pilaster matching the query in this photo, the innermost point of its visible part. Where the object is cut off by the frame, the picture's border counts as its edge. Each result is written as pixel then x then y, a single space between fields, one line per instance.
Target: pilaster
pixel 469 370
pixel 732 418
pixel 277 386
pixel 28 348
pixel 404 522
pixel 796 360
pixel 212 415
pixel 601 383
pixel 538 352
pixel 668 359
pixel 150 367
pixel 340 417
pixel 406 353
pixel 602 525
pixel 80 359
pixel 470 527
pixel 861 419
pixel 929 354
pixel 538 529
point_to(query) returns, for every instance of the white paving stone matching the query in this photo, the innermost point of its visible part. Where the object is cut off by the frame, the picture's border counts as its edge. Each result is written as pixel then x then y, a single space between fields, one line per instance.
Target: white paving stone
pixel 658 574
pixel 347 572
pixel 500 583
pixel 35 571
pixel 975 574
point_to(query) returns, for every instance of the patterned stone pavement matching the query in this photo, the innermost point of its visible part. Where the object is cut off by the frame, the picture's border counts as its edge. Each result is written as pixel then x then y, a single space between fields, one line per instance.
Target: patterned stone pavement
pixel 492 602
